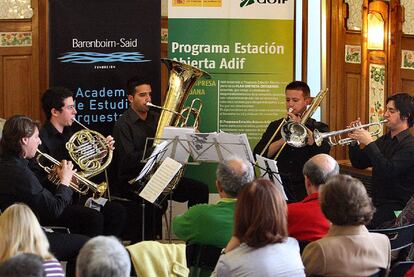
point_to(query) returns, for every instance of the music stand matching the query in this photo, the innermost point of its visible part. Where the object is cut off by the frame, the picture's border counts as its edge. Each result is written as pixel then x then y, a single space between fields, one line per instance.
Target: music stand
pixel 268 170
pixel 174 147
pixel 213 147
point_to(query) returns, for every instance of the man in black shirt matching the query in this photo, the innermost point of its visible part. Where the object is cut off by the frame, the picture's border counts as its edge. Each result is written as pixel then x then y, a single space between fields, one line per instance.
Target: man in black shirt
pixel 291 160
pixel 391 157
pixel 131 131
pixel 58 106
pixel 18 183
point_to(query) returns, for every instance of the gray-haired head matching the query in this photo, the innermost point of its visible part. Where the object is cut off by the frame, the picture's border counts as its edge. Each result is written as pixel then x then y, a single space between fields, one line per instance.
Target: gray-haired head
pixel 23 265
pixel 233 173
pixel 103 257
pixel 319 168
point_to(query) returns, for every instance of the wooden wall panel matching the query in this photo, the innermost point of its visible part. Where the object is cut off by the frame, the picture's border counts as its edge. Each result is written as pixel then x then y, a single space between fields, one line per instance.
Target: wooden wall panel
pixel 19 68
pixel 17 85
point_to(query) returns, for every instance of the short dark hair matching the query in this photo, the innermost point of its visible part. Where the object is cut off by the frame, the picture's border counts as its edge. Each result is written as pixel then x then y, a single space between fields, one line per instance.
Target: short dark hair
pixel 345 201
pixel 16 128
pixel 232 180
pixel 134 82
pixel 53 98
pixel 404 103
pixel 23 265
pixel 299 85
pixel 261 216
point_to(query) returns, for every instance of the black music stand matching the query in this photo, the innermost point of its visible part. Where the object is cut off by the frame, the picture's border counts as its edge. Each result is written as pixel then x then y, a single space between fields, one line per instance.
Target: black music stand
pixel 269 170
pixel 173 146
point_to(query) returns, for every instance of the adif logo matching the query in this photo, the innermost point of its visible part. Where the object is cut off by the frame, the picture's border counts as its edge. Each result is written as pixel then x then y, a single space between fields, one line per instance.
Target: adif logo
pixel 245 3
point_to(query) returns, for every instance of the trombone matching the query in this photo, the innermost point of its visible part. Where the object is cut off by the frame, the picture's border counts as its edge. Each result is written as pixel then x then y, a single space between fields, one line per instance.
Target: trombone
pixel 334 137
pixel 299 126
pixel 82 184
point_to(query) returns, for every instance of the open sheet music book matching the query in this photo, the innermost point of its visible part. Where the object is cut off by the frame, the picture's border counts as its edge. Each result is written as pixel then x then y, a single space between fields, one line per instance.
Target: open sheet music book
pixel 268 170
pixel 160 180
pixel 214 147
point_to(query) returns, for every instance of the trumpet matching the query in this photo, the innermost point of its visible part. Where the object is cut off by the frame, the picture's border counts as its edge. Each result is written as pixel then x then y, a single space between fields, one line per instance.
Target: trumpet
pixel 334 137
pixel 82 184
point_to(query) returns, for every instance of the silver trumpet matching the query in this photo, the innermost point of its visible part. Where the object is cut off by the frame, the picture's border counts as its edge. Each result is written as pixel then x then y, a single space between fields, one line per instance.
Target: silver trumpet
pixel 81 184
pixel 334 137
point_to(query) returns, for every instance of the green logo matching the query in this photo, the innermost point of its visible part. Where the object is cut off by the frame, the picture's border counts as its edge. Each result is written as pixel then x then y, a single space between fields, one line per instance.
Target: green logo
pixel 245 3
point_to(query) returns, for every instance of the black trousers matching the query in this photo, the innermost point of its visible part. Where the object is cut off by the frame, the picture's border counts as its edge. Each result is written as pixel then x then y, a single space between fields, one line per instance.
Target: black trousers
pixel 82 220
pixel 187 189
pixel 65 247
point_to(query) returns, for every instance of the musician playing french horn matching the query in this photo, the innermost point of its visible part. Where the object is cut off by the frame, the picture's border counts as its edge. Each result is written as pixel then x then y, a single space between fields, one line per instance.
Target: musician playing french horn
pixel 391 157
pixel 291 159
pixel 106 218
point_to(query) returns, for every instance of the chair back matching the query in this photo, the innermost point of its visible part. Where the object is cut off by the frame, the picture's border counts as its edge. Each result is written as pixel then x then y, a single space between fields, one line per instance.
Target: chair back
pixel 400 268
pixel 2 121
pixel 201 258
pixel 400 237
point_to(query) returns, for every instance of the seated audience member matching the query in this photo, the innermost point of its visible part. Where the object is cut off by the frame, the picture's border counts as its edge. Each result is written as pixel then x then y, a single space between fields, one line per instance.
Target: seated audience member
pixel 23 265
pixel 21 233
pixel 212 224
pixel 306 221
pixel 260 245
pixel 103 257
pixel 348 249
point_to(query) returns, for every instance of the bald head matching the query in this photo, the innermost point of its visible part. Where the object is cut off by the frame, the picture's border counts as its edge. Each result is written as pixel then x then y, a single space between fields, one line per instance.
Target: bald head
pixel 232 174
pixel 319 168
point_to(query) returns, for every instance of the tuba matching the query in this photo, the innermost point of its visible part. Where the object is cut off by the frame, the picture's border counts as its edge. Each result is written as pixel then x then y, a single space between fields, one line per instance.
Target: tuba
pixel 182 77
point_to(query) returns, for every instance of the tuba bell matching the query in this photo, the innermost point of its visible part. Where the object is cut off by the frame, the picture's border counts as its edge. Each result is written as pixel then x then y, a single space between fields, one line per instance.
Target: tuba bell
pixel 182 77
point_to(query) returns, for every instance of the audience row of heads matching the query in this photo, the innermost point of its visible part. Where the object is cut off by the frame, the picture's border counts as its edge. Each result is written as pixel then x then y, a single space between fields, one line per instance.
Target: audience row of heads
pixel 22 234
pixel 261 211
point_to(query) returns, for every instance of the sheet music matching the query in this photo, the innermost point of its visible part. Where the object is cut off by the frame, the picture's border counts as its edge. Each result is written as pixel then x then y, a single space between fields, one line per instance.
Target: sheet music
pixel 178 149
pixel 155 157
pixel 236 144
pixel 160 180
pixel 266 165
pixel 202 146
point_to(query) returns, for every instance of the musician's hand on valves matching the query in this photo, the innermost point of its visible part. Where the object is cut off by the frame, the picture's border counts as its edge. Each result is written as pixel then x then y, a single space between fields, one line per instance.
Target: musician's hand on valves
pixel 310 139
pixel 110 141
pixel 65 172
pixel 362 135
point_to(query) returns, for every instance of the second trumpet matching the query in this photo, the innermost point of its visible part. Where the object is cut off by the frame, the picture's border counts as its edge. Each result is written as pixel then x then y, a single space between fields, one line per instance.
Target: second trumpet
pixel 334 137
pixel 81 184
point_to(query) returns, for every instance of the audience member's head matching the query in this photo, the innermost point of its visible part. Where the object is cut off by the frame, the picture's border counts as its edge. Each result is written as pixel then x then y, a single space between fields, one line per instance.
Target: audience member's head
pixel 344 201
pixel 17 131
pixel 103 257
pixel 21 233
pixel 261 215
pixel 54 98
pixel 319 168
pixel 22 265
pixel 232 174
